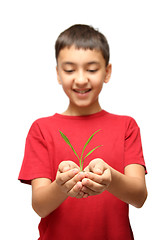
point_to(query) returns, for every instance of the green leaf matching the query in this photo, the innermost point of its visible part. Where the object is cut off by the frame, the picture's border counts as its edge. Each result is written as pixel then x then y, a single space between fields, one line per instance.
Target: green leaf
pixel 68 142
pixel 91 151
pixel 81 161
pixel 88 142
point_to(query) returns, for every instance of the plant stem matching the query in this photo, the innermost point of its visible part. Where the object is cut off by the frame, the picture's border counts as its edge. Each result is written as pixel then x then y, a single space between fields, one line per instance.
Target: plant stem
pixel 81 168
pixel 81 159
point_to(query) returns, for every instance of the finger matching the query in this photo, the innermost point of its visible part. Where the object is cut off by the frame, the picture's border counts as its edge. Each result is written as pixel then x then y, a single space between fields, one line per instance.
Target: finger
pixel 72 186
pixel 107 177
pixel 62 178
pixel 67 165
pixel 76 191
pixel 90 187
pixel 103 179
pixel 72 183
pixel 89 192
pixel 81 195
pixel 86 195
pixel 94 177
pixel 97 166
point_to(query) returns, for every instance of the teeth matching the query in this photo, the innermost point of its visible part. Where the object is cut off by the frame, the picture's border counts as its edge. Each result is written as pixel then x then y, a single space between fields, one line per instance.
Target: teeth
pixel 82 91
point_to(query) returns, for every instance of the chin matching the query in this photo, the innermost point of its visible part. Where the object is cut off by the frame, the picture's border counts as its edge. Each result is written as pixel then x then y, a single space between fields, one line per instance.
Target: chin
pixel 84 105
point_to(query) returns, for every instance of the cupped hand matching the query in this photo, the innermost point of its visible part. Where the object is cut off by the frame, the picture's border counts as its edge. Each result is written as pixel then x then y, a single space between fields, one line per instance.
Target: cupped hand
pixel 97 177
pixel 69 178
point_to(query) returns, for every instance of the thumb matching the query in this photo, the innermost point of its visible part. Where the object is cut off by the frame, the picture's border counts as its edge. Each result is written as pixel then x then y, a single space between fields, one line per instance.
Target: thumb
pixel 67 165
pixel 97 166
pixel 98 170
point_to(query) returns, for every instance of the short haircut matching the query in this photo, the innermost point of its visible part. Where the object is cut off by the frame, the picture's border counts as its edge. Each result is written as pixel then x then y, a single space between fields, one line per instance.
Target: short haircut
pixel 83 37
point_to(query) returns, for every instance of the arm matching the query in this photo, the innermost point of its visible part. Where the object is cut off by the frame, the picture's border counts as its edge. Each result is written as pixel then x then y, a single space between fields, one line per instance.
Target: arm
pixel 129 187
pixel 47 195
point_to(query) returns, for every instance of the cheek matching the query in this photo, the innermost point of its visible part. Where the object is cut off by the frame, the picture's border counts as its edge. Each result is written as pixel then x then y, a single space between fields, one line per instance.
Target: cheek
pixel 97 82
pixel 66 82
pixel 67 86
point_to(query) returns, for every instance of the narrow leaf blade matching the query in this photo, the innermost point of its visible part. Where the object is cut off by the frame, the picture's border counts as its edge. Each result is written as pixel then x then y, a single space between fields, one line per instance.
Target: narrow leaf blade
pixel 68 142
pixel 92 151
pixel 90 138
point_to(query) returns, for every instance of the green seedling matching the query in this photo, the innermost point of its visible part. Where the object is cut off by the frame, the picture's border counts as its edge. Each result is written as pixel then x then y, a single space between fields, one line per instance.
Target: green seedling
pixel 81 159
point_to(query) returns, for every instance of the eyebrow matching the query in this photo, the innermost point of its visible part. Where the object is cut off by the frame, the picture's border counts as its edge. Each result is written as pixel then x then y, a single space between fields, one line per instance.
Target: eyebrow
pixel 68 63
pixel 94 62
pixel 88 63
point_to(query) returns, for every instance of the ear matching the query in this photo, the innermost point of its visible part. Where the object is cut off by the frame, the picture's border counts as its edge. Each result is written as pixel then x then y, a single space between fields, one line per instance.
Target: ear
pixel 108 73
pixel 58 77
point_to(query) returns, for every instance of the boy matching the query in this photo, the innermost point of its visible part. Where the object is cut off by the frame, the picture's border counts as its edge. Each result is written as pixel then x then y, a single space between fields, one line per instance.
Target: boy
pixel 89 204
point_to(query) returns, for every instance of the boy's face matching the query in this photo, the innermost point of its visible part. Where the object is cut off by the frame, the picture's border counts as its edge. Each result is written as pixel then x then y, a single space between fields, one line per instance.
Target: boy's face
pixel 82 74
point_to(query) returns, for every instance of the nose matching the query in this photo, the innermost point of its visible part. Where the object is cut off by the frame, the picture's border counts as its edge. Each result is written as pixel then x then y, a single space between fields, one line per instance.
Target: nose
pixel 81 78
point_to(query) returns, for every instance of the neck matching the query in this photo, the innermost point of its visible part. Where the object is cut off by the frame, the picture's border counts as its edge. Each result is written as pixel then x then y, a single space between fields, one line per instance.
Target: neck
pixel 81 111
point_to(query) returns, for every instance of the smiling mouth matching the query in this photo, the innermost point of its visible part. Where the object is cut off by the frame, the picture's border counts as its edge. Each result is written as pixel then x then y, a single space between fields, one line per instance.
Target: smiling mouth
pixel 82 91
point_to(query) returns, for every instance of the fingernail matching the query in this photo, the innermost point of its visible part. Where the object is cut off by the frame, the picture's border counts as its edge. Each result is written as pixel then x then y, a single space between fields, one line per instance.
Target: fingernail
pixel 79 185
pixel 86 175
pixel 85 195
pixel 65 169
pixel 75 170
pixel 98 171
pixel 84 181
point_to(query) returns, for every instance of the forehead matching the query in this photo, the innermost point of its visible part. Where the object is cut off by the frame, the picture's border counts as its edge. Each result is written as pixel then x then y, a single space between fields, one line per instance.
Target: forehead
pixel 80 56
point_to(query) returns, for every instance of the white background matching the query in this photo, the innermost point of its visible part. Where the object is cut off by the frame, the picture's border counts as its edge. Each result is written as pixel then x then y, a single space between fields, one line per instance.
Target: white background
pixel 29 90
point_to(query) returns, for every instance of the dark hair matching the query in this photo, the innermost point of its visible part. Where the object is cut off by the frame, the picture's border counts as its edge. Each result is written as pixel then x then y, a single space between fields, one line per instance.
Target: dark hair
pixel 85 37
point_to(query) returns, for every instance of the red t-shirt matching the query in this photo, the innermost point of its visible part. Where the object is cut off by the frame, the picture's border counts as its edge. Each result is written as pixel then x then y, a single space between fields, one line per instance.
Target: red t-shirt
pixel 97 217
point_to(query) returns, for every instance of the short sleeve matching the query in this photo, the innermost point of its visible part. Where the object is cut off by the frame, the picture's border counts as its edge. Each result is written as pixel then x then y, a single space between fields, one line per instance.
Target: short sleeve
pixel 36 163
pixel 133 145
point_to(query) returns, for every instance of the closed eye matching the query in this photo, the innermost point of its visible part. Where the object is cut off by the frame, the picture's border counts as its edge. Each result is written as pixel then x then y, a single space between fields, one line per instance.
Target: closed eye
pixel 69 71
pixel 92 71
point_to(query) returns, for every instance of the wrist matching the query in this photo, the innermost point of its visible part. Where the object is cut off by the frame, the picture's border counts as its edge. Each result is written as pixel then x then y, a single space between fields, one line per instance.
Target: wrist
pixel 111 178
pixel 57 189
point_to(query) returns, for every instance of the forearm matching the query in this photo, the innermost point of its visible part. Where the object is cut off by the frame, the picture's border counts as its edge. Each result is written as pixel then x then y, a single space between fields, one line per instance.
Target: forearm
pixel 45 199
pixel 131 190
